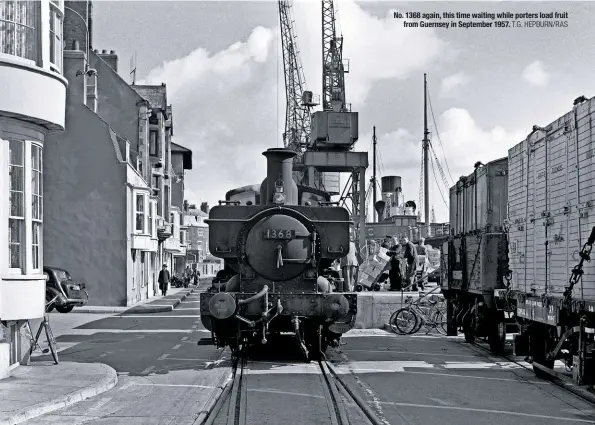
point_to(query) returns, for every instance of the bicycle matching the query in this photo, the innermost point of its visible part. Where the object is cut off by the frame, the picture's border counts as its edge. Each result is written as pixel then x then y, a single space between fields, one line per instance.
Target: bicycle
pixel 429 313
pixel 45 324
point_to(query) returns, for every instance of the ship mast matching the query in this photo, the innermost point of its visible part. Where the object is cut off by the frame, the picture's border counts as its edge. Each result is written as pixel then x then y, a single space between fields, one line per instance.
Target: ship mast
pixel 426 148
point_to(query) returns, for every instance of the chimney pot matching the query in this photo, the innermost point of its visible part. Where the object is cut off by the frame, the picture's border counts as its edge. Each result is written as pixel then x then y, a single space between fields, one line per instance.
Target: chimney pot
pixel 104 51
pixel 112 52
pixel 75 45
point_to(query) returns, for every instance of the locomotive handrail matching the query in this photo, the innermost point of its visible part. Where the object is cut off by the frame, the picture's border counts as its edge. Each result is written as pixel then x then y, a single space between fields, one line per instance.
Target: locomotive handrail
pixel 261 294
pixel 217 249
pixel 244 220
pixel 229 202
pixel 332 251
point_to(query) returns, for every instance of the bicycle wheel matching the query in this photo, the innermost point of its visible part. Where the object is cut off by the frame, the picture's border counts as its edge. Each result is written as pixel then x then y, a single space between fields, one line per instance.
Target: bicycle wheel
pixel 51 340
pixel 440 319
pixel 403 321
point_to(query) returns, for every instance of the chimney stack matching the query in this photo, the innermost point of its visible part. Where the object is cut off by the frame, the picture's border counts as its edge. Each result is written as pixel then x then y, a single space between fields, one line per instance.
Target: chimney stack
pixel 110 58
pixel 279 168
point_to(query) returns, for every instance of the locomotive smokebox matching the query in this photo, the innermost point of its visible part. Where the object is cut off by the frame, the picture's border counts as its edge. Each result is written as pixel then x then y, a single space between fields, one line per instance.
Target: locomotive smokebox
pixel 279 171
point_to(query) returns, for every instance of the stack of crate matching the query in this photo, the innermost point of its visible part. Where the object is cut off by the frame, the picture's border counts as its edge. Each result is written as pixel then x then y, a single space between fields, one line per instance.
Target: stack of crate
pixel 373 267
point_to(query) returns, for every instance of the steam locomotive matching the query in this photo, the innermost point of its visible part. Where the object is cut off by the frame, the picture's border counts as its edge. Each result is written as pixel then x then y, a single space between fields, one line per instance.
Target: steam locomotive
pixel 278 252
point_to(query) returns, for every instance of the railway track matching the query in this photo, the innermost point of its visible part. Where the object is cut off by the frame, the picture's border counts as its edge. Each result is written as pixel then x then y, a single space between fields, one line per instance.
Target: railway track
pixel 234 407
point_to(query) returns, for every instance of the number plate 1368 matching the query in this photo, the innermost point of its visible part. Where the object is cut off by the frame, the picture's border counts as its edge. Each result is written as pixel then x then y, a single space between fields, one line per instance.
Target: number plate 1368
pixel 279 234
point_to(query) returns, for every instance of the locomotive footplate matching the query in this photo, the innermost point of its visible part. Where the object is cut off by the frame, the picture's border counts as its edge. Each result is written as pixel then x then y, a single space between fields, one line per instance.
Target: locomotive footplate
pixel 252 308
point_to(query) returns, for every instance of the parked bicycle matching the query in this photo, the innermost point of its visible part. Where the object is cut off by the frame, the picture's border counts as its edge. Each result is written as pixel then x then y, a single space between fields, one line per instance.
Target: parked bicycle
pixel 426 311
pixel 45 324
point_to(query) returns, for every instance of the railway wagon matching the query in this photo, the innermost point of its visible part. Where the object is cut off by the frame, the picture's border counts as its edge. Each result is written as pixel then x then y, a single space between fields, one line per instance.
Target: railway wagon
pixel 538 256
pixel 551 231
pixel 474 259
pixel 279 253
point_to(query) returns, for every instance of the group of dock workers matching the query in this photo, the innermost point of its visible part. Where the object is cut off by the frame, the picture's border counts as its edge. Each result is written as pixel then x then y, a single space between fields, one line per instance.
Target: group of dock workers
pixel 401 271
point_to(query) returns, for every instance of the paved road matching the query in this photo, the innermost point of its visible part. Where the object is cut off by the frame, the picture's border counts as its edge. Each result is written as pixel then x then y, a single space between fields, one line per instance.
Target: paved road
pixel 415 380
pixel 426 380
pixel 164 376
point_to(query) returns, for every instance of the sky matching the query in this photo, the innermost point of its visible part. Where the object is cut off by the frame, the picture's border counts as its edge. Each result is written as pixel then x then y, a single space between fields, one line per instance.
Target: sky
pixel 223 67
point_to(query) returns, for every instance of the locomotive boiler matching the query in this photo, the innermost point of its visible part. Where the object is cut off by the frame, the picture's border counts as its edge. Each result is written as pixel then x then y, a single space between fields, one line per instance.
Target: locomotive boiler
pixel 278 252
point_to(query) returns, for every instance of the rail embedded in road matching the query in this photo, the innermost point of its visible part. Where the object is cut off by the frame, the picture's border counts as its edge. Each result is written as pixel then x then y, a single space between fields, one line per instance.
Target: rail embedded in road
pixel 232 406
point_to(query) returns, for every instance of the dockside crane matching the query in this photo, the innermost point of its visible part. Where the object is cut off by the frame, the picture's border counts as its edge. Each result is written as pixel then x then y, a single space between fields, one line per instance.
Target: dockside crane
pixel 334 129
pixel 300 102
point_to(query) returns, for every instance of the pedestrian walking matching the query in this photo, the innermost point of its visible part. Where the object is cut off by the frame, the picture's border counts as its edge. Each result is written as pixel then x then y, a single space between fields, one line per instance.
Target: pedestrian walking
pixel 187 276
pixel 164 280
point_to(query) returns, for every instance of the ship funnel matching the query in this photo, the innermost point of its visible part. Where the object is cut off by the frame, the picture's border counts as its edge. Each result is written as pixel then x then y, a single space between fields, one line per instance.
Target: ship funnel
pixel 379 207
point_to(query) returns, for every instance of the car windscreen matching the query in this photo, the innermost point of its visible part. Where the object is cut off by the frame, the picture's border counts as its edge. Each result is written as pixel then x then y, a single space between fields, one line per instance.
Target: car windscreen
pixel 62 276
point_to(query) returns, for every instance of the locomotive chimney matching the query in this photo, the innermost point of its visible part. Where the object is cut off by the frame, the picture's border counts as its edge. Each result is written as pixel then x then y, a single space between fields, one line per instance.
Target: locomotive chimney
pixel 279 170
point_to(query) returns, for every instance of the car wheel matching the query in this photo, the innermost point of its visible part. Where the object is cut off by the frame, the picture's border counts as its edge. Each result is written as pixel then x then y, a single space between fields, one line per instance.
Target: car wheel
pixel 64 308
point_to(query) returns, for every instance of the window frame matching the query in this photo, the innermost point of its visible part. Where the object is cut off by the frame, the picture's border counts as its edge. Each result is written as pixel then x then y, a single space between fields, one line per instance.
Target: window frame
pixel 32 33
pixel 154 147
pixel 22 268
pixel 56 38
pixel 39 220
pixel 28 219
pixel 142 213
pixel 150 218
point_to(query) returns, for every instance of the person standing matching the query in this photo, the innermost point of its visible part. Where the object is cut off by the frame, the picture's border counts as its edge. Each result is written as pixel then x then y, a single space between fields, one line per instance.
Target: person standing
pixel 164 280
pixel 348 265
pixel 410 253
pixel 397 269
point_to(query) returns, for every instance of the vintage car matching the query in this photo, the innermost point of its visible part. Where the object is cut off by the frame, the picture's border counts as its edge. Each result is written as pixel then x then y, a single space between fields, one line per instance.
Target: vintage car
pixel 69 293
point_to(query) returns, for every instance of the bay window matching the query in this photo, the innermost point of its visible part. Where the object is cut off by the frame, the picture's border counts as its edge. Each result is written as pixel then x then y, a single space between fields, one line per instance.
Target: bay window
pixel 18 36
pixel 16 220
pixel 55 36
pixel 25 219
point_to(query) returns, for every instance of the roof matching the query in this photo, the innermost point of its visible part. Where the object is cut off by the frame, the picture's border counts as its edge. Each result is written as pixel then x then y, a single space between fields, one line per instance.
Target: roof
pixel 186 155
pixel 155 95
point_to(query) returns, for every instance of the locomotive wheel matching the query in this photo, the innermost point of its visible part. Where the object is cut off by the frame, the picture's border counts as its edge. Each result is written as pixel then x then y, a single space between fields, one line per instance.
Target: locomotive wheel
pixel 497 335
pixel 376 287
pixel 359 288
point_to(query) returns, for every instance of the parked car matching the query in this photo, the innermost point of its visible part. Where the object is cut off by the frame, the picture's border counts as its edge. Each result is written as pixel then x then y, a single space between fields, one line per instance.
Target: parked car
pixel 60 284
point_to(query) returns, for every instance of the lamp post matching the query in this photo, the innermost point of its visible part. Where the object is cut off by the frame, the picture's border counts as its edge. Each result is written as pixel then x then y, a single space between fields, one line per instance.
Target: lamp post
pixel 88 71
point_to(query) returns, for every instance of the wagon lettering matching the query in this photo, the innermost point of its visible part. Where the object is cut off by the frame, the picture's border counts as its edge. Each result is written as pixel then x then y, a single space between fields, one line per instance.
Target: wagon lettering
pixel 557 169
